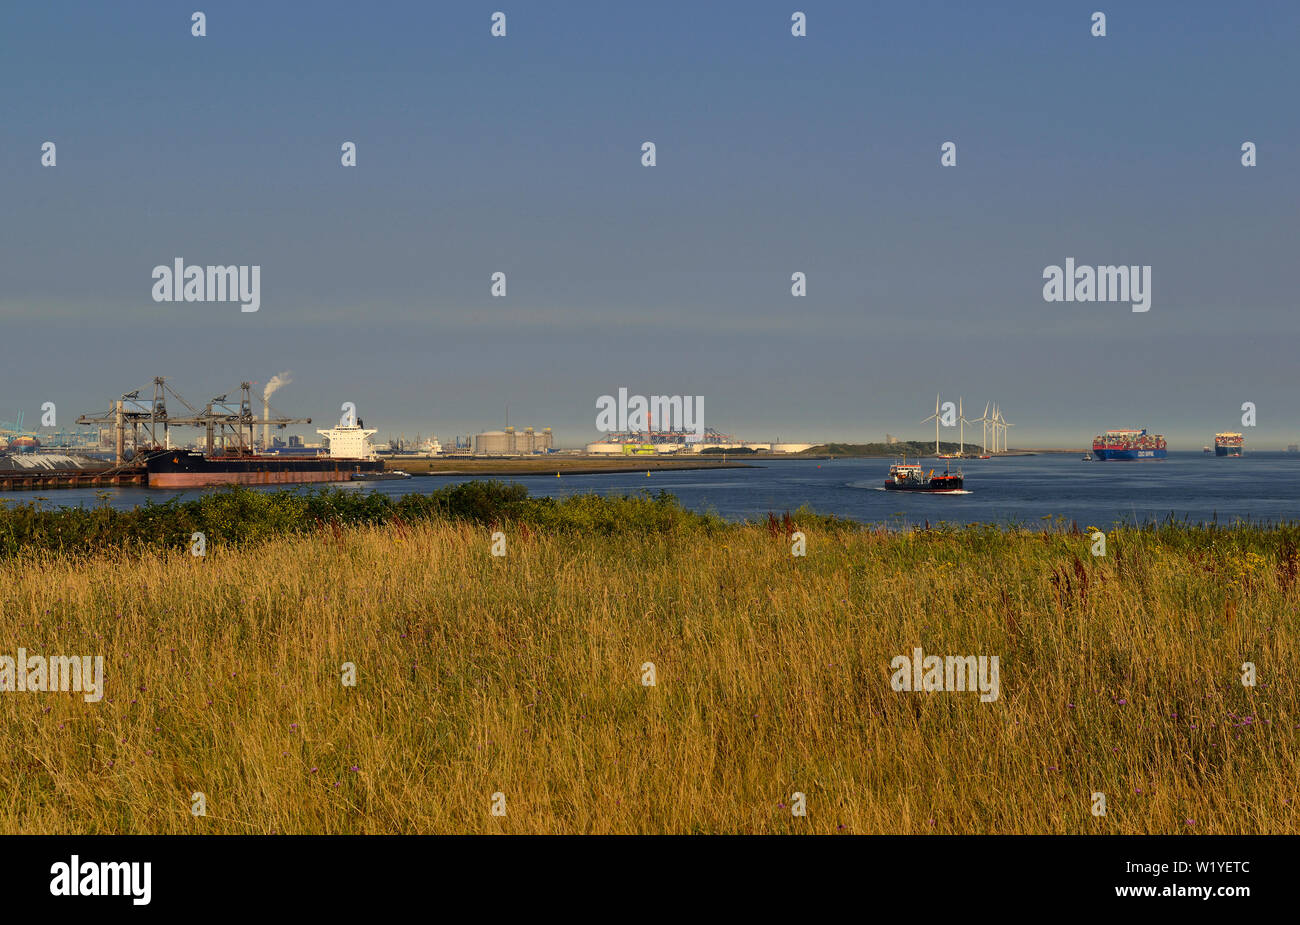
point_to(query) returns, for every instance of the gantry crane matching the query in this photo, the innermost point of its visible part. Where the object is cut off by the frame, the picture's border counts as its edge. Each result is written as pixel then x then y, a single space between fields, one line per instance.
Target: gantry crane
pixel 219 418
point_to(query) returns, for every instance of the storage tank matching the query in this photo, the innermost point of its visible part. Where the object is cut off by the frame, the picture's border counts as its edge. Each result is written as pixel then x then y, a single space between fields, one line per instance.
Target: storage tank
pixel 533 441
pixel 494 443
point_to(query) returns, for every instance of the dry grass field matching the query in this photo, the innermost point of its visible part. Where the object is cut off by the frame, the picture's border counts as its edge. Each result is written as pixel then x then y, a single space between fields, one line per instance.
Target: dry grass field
pixel 521 675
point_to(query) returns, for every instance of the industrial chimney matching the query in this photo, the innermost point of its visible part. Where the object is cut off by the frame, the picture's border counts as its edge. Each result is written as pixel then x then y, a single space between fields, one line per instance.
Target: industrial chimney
pixel 278 380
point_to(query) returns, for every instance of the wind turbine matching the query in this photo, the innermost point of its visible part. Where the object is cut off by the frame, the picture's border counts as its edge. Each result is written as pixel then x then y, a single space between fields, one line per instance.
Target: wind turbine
pixel 984 420
pixel 1000 426
pixel 935 417
pixel 961 429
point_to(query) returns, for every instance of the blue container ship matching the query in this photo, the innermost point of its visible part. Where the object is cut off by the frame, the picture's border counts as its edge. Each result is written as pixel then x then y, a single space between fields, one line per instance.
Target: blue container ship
pixel 1129 443
pixel 1228 444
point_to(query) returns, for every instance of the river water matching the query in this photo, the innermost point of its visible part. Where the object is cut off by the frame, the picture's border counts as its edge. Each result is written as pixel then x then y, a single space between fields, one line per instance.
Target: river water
pixel 1261 487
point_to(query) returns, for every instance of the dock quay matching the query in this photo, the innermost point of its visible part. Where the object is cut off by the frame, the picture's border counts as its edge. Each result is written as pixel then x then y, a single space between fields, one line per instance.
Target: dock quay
pixel 38 471
pixel 70 478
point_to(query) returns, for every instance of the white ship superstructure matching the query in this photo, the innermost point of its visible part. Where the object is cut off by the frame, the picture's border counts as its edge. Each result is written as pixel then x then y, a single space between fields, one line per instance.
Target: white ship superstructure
pixel 349 441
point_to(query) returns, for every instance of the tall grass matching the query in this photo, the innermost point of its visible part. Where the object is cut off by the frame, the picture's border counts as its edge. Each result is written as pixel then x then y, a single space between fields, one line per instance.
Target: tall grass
pixel 522 675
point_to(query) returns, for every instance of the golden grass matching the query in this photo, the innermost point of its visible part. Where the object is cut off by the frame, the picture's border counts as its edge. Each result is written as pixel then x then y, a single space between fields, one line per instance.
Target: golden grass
pixel 522 675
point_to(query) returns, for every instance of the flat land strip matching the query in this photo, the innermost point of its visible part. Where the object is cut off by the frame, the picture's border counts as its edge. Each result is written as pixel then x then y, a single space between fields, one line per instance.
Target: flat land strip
pixel 549 465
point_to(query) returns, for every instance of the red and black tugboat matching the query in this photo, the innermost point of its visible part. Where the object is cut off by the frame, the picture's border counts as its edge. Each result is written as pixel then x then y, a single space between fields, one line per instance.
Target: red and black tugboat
pixel 904 477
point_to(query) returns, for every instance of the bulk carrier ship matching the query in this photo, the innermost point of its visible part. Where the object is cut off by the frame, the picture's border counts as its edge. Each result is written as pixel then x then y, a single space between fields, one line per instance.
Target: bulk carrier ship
pixel 350 455
pixel 229 454
pixel 1129 443
pixel 1228 444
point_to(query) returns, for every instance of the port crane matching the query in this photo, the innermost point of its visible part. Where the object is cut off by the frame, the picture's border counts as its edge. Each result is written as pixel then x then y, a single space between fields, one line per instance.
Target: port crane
pixel 233 427
pixel 13 427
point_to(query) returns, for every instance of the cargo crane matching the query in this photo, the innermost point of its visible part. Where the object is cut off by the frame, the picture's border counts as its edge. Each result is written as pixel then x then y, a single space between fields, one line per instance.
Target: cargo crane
pixel 23 440
pixel 130 411
pixel 13 427
pixel 235 428
pixel 219 418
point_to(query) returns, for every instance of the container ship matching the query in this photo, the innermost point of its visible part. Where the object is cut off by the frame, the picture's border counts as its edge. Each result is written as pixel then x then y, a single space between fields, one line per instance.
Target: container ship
pixel 1228 444
pixel 1129 444
pixel 350 454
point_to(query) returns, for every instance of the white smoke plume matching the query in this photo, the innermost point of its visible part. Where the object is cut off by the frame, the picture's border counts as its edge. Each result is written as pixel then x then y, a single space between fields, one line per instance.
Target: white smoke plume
pixel 278 380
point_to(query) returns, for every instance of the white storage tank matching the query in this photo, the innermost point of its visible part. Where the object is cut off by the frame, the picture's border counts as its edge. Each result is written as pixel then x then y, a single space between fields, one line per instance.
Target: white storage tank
pixel 494 443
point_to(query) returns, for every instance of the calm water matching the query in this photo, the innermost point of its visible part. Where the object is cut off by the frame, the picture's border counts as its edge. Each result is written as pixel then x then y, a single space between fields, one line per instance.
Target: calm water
pixel 1258 487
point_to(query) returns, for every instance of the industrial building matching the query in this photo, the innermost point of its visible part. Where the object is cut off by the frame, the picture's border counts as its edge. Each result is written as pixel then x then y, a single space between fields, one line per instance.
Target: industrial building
pixel 510 443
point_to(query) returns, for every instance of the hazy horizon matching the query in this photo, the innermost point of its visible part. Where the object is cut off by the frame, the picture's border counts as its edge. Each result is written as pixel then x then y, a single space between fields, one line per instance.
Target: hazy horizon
pixel 775 154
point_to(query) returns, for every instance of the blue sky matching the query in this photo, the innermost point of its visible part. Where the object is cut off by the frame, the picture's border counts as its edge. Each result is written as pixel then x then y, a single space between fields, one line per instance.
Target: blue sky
pixel 775 154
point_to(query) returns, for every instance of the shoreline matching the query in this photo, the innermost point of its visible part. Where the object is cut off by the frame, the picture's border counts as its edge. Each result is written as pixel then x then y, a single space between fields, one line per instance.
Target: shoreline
pixel 423 468
pixel 931 455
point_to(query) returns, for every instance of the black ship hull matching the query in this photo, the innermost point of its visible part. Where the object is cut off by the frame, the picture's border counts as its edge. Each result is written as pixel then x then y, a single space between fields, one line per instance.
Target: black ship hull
pixel 938 483
pixel 187 469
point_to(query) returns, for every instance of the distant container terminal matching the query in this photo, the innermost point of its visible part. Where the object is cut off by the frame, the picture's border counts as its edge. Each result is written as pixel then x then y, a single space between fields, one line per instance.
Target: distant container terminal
pixel 656 444
pixel 132 444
